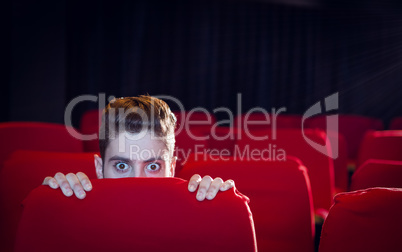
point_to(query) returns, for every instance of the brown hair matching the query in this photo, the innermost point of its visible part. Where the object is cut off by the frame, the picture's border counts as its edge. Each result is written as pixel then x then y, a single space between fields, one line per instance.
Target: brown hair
pixel 134 114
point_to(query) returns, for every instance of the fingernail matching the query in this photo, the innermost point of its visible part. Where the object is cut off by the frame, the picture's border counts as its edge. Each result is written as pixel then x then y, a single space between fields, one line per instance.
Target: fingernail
pixel 81 194
pixel 191 188
pixel 209 196
pixel 200 195
pixel 89 187
pixel 69 192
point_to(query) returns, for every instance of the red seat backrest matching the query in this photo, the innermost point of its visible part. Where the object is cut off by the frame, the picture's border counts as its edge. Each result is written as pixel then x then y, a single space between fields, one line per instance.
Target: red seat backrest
pixel 135 214
pixel 217 138
pixel 381 145
pixel 377 173
pixel 291 142
pixel 396 124
pixel 266 121
pixel 367 220
pixel 341 165
pixel 36 136
pixel 89 124
pixel 223 139
pixel 188 143
pixel 284 121
pixel 280 198
pixel 352 127
pixel 24 171
pixel 192 119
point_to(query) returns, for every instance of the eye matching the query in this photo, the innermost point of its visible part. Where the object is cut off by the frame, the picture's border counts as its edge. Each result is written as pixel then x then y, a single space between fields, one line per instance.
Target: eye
pixel 153 167
pixel 120 166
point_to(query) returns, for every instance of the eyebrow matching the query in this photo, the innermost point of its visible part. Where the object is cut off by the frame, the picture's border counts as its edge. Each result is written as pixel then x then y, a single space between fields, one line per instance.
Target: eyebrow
pixel 124 159
pixel 127 160
pixel 153 159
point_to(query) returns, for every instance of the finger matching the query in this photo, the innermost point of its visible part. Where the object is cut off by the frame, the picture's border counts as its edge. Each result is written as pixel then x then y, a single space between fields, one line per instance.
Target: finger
pixel 203 187
pixel 227 185
pixel 194 182
pixel 76 185
pixel 214 188
pixel 85 182
pixel 46 181
pixel 63 183
pixel 50 181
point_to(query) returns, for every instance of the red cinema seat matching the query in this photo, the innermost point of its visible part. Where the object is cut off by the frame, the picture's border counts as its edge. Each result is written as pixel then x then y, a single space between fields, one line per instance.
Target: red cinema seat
pixel 187 144
pixel 195 118
pixel 396 124
pixel 258 121
pixel 352 127
pixel 385 145
pixel 367 220
pixel 377 173
pixel 280 198
pixel 341 173
pixel 24 171
pixel 253 121
pixel 36 136
pixel 135 214
pixel 89 125
pixel 290 142
pixel 341 165
pixel 218 138
pixel 222 139
pixel 288 121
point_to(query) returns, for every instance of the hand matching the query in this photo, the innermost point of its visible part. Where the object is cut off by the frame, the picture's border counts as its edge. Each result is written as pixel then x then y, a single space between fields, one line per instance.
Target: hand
pixel 77 183
pixel 208 187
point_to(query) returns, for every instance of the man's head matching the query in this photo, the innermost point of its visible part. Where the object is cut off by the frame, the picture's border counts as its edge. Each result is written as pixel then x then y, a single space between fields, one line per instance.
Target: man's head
pixel 136 139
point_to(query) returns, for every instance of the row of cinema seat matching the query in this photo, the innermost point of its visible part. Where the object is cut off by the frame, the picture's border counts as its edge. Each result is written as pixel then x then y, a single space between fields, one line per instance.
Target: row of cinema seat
pixel 322 171
pixel 280 226
pixel 284 226
pixel 22 172
pixel 352 130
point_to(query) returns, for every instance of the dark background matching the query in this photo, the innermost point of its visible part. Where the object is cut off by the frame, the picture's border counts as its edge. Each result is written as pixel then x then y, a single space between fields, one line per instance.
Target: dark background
pixel 283 53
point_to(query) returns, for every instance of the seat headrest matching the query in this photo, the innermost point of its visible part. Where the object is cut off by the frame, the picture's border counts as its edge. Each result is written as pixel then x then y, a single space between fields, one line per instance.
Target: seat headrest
pixel 141 214
pixel 365 220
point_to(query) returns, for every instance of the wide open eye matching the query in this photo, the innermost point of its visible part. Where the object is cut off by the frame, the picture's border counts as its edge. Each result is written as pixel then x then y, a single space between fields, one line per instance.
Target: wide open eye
pixel 153 167
pixel 120 166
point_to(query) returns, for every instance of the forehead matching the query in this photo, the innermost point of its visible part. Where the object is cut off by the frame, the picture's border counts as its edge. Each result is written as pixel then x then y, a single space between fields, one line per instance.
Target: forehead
pixel 138 146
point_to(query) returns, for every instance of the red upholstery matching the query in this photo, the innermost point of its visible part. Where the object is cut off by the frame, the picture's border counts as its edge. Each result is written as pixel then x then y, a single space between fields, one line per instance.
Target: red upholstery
pixel 367 220
pixel 377 173
pixel 341 162
pixel 135 214
pixel 282 121
pixel 287 121
pixel 352 127
pixel 341 165
pixel 381 145
pixel 35 136
pixel 219 138
pixel 192 119
pixel 89 124
pixel 291 142
pixel 187 144
pixel 280 198
pixel 24 171
pixel 396 124
pixel 223 139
